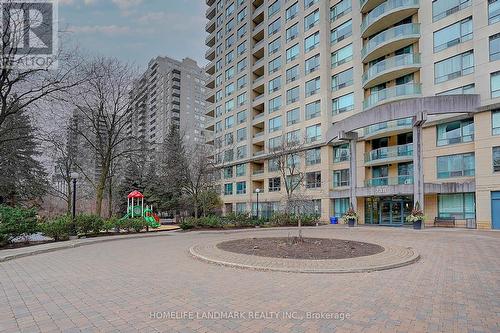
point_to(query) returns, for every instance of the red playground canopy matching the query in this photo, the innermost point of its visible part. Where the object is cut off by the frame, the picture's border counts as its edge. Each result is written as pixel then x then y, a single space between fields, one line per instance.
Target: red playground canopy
pixel 135 195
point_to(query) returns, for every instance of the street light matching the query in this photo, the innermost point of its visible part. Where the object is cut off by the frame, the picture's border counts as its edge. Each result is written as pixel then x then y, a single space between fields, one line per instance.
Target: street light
pixel 74 178
pixel 257 191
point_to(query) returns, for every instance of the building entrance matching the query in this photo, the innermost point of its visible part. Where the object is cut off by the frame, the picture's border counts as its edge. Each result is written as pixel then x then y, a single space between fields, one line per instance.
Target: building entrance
pixel 391 211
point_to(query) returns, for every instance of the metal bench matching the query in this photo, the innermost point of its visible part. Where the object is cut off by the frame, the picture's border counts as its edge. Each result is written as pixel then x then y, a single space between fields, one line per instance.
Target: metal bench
pixel 448 222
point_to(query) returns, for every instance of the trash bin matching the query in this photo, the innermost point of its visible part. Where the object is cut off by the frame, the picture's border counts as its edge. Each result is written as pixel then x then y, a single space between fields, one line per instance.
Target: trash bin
pixel 334 220
pixel 470 223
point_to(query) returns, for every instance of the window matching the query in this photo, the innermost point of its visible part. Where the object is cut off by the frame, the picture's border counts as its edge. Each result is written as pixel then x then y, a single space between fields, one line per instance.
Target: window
pixel 458 205
pixel 229 57
pixel 241 152
pixel 342 80
pixel 241 99
pixel 274 104
pixel 293 116
pixel 313 133
pixel 241 170
pixel 311 42
pixel 272 165
pixel 275 124
pixel 340 207
pixel 274 84
pixel 493 11
pixel 228 155
pixel 229 41
pixel 313 86
pixel 241 187
pixel 229 26
pixel 495 84
pixel 241 15
pixel 341 178
pixel 229 105
pixel 241 134
pixel 241 82
pixel 228 172
pixel 496 159
pixel 443 8
pixel 292 11
pixel 311 20
pixel 242 31
pixel 275 184
pixel 292 32
pixel 313 110
pixel 309 3
pixel 342 56
pixel 340 9
pixel 228 139
pixel 275 143
pixel 453 34
pixel 468 89
pixel 455 132
pixel 495 120
pixel 274 65
pixel 341 153
pixel 241 117
pixel 292 95
pixel 218 127
pixel 343 104
pixel 292 53
pixel 292 74
pixel 293 136
pixel 274 27
pixel 241 207
pixel 241 48
pixel 454 67
pixel 229 73
pixel 495 47
pixel 274 46
pixel 312 64
pixel 228 189
pixel 273 8
pixel 460 165
pixel 313 179
pixel 313 156
pixel 341 32
pixel 293 161
pixel 242 64
pixel 229 122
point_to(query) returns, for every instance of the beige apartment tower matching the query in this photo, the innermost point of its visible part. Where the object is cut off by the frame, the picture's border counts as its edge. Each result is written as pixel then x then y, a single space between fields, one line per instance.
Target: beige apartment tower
pixel 396 101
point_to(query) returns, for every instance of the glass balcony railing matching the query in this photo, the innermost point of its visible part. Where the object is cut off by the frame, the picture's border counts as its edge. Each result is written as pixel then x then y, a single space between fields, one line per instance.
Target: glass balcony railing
pixel 392 63
pixel 387 126
pixel 386 181
pixel 394 33
pixel 395 92
pixel 385 7
pixel 389 152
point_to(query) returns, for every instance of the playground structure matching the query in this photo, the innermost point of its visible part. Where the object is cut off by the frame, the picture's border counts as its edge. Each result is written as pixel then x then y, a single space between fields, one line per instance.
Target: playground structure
pixel 134 210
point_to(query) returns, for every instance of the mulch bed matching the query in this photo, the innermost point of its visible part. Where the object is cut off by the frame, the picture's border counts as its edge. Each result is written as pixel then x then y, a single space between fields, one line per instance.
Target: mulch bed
pixel 293 248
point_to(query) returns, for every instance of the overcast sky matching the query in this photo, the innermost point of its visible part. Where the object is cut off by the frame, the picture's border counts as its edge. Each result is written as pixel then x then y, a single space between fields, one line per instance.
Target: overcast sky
pixel 136 30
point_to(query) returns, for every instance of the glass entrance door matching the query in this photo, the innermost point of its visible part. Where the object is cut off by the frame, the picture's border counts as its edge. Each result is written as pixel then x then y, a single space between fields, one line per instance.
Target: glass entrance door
pixel 391 213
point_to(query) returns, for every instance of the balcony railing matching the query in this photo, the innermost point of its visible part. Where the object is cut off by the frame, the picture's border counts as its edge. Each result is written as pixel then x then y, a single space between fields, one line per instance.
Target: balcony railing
pixel 396 92
pixel 394 33
pixel 385 7
pixel 391 125
pixel 392 63
pixel 386 181
pixel 389 152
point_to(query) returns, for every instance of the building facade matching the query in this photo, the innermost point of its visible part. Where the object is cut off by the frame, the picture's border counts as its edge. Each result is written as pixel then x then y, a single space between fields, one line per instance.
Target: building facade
pixel 396 102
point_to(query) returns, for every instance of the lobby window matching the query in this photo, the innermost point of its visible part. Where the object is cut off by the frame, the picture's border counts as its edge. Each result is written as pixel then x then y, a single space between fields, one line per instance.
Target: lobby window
pixel 228 172
pixel 274 104
pixel 341 32
pixel 292 74
pixel 458 205
pixel 340 207
pixel 341 153
pixel 313 133
pixel 275 184
pixel 493 11
pixel 293 116
pixel 313 86
pixel 311 20
pixel 453 34
pixel 342 56
pixel 274 46
pixel 342 80
pixel 460 165
pixel 292 95
pixel 241 170
pixel 495 120
pixel 455 132
pixel 274 27
pixel 311 42
pixel 468 89
pixel 309 3
pixel 275 124
pixel 340 9
pixel 443 8
pixel 454 67
pixel 274 8
pixel 313 110
pixel 274 65
pixel 241 134
pixel 292 53
pixel 313 156
pixel 496 159
pixel 495 85
pixel 312 64
pixel 343 104
pixel 313 179
pixel 292 32
pixel 274 84
pixel 241 187
pixel 495 47
pixel 292 11
pixel 241 117
pixel 341 178
pixel 228 189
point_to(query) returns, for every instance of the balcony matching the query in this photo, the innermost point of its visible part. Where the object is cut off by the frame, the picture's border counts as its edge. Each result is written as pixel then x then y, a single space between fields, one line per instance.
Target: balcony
pixel 390 94
pixel 210 40
pixel 258 46
pixel 210 2
pixel 258 11
pixel 259 28
pixel 395 126
pixel 401 153
pixel 210 13
pixel 258 65
pixel 387 14
pixel 390 40
pixel 210 26
pixel 390 69
pixel 210 54
pixel 367 5
pixel 388 181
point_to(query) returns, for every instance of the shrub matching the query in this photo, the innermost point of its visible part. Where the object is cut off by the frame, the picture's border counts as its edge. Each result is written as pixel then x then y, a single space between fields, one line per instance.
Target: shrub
pixel 281 219
pixel 111 224
pixel 137 224
pixel 58 228
pixel 87 223
pixel 188 223
pixel 16 222
pixel 210 222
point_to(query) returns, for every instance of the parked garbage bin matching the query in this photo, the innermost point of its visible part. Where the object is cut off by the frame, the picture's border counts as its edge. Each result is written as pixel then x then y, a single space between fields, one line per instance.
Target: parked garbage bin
pixel 334 220
pixel 471 224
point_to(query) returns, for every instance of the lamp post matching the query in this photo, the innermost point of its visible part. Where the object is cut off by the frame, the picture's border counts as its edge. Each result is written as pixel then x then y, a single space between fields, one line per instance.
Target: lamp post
pixel 257 191
pixel 74 178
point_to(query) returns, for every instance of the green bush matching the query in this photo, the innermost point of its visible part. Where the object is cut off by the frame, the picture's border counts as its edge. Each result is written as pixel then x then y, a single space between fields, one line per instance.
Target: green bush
pixel 58 228
pixel 188 223
pixel 210 222
pixel 111 224
pixel 284 219
pixel 16 222
pixel 87 224
pixel 137 224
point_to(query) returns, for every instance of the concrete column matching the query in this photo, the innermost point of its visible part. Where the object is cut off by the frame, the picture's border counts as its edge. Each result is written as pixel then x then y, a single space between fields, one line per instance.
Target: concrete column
pixel 418 169
pixel 352 137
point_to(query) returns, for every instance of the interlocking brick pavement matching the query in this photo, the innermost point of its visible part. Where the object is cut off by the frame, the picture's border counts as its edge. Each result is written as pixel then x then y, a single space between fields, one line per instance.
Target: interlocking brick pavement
pixel 119 286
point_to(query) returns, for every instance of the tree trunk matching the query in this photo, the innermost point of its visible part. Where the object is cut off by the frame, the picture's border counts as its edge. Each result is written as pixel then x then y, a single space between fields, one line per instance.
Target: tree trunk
pixel 69 197
pixel 110 198
pixel 300 228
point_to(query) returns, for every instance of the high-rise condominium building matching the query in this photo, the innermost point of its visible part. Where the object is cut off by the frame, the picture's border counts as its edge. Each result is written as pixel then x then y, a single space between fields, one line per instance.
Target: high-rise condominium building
pixel 396 101
pixel 170 92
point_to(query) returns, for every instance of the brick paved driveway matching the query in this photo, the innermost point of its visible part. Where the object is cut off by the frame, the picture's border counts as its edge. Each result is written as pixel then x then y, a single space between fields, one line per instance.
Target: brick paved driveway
pixel 117 286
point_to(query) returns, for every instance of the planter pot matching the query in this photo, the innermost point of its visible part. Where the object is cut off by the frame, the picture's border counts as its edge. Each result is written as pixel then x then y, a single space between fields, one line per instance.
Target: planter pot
pixel 417 225
pixel 351 223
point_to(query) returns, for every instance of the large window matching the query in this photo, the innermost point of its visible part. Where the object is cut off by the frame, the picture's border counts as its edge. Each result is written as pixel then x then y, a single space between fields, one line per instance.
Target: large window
pixel 342 56
pixel 292 73
pixel 493 11
pixel 275 124
pixel 228 189
pixel 342 80
pixel 275 184
pixel 311 20
pixel 241 170
pixel 453 34
pixel 313 133
pixel 341 32
pixel 496 159
pixel 313 156
pixel 274 27
pixel 311 42
pixel 460 165
pixel 275 143
pixel 443 8
pixel 343 104
pixel 312 64
pixel 241 188
pixel 313 179
pixel 464 90
pixel 312 87
pixel 455 132
pixel 292 53
pixel 241 134
pixel 341 178
pixel 458 205
pixel 274 46
pixel 313 110
pixel 274 65
pixel 340 9
pixel 340 207
pixel 495 47
pixel 341 153
pixel 274 84
pixel 274 104
pixel 292 32
pixel 292 95
pixel 293 116
pixel 495 85
pixel 292 11
pixel 495 121
pixel 454 67
pixel 274 8
pixel 309 3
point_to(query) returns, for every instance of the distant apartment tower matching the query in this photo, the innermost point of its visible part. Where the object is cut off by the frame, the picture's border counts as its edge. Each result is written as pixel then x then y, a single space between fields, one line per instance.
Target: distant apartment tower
pixel 170 92
pixel 398 102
